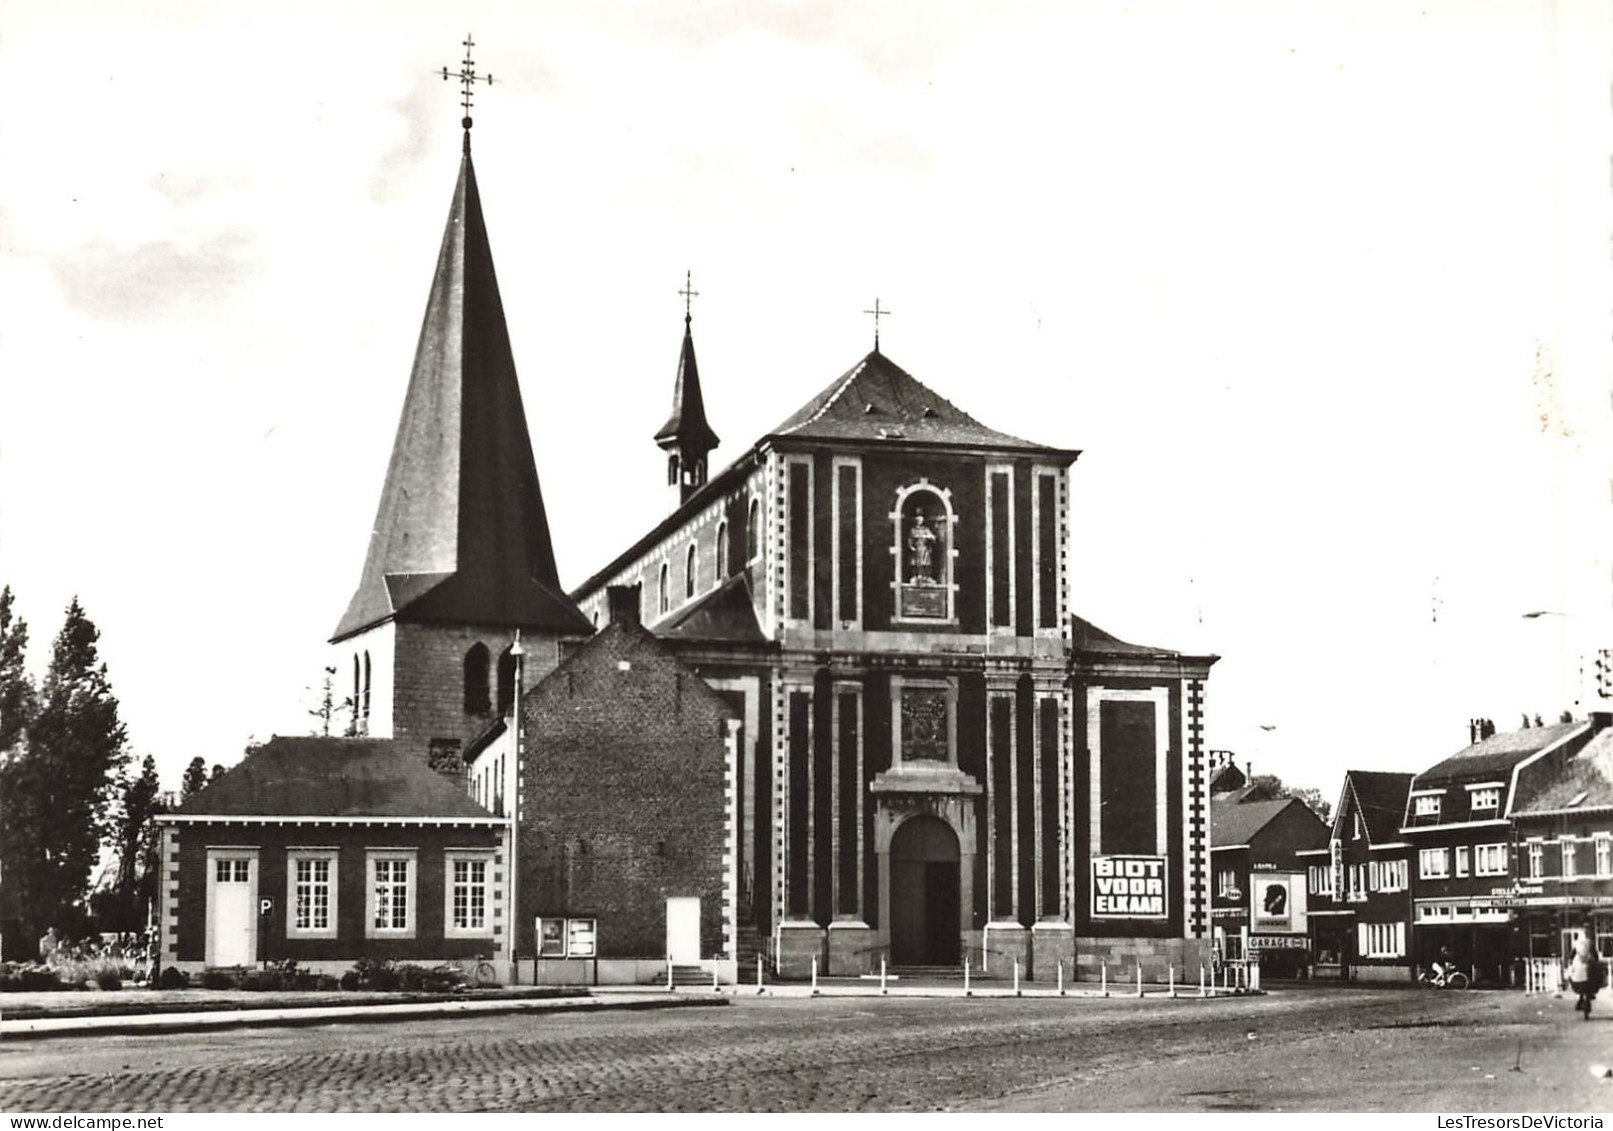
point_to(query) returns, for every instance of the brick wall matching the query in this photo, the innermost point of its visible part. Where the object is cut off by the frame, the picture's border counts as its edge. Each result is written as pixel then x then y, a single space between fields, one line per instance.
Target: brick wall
pixel 427 679
pixel 186 897
pixel 623 795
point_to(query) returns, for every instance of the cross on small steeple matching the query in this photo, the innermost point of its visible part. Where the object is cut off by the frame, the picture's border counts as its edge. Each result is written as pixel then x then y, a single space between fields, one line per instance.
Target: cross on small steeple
pixel 688 292
pixel 467 77
pixel 876 312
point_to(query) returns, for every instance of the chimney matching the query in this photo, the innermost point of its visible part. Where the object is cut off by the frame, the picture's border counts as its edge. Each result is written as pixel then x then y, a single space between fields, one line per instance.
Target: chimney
pixel 622 604
pixel 1472 732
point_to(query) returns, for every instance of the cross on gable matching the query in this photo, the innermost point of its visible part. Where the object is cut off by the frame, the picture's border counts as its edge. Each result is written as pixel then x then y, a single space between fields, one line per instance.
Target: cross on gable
pixel 877 313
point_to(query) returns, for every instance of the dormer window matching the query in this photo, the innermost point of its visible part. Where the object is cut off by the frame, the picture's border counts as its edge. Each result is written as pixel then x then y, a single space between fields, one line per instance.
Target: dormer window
pixel 1486 800
pixel 1426 806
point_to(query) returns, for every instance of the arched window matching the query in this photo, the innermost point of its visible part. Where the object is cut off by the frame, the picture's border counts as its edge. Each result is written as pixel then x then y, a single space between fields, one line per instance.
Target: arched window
pixel 691 567
pixel 665 590
pixel 722 552
pixel 358 692
pixel 506 682
pixel 477 698
pixel 753 532
pixel 365 713
pixel 672 469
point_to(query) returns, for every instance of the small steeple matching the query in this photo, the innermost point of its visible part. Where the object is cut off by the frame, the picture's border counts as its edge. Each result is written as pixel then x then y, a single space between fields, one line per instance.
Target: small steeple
pixel 686 437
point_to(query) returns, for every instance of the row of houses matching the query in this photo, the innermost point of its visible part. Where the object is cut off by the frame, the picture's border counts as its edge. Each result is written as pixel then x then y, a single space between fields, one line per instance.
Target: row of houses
pixel 1496 854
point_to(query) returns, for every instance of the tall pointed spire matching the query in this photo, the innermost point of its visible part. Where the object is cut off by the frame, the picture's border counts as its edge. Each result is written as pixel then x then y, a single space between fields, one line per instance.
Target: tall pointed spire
pixel 461 535
pixel 686 437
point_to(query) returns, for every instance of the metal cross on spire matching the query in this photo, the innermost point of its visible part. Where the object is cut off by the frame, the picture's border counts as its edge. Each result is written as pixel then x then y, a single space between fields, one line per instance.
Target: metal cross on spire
pixel 688 292
pixel 876 312
pixel 467 77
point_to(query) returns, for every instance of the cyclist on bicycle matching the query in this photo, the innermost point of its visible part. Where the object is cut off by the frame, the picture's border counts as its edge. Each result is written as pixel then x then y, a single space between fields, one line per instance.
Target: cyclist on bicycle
pixel 1442 966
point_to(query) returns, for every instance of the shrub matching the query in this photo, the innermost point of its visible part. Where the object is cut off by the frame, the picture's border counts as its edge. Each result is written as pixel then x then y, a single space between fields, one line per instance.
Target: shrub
pixel 108 980
pixel 27 977
pixel 91 969
pixel 327 982
pixel 173 978
pixel 370 974
pixel 430 979
pixel 222 977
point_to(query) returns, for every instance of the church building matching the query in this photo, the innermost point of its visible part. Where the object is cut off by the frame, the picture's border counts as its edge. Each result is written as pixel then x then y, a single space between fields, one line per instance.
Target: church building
pixel 902 743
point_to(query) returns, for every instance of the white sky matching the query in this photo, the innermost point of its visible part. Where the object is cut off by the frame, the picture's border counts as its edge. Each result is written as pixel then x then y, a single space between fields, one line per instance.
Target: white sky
pixel 1321 291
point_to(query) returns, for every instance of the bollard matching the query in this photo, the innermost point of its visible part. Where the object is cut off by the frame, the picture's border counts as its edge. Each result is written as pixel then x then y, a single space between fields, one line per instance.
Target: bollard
pixel 1061 978
pixel 669 986
pixel 714 987
pixel 1016 978
pixel 814 975
pixel 882 988
pixel 1139 979
pixel 1103 979
pixel 1172 969
pixel 1204 990
pixel 759 974
pixel 966 990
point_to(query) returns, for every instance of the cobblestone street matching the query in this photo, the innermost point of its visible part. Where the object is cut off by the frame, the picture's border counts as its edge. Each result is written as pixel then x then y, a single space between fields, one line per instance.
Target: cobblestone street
pixel 1333 1049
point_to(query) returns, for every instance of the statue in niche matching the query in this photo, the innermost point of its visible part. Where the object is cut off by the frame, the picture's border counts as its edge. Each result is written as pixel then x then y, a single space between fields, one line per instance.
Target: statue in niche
pixel 922 542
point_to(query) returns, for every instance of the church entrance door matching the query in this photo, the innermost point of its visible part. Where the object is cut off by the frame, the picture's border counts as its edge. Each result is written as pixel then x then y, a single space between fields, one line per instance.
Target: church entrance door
pixel 924 895
pixel 683 930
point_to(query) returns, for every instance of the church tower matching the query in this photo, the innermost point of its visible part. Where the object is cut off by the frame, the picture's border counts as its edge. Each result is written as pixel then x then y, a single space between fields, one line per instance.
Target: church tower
pixel 459 562
pixel 686 437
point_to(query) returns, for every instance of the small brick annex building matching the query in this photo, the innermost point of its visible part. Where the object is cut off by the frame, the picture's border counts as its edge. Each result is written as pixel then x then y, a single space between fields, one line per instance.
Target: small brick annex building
pixel 835 708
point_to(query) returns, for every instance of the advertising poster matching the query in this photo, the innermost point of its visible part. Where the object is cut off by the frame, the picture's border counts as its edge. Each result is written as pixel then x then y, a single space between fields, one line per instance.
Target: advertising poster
pixel 1129 887
pixel 1277 902
pixel 579 938
pixel 551 938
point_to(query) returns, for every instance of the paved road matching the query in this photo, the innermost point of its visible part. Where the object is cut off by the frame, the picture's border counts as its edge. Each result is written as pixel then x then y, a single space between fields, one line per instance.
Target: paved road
pixel 1332 1049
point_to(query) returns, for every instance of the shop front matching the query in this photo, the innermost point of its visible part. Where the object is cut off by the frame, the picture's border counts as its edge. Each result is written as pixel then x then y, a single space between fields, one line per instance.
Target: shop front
pixel 1475 931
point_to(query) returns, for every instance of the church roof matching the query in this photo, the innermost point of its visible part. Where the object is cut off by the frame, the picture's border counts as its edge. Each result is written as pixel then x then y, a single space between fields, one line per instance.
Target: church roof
pixel 1088 637
pixel 332 777
pixel 726 613
pixel 687 424
pixel 461 535
pixel 878 400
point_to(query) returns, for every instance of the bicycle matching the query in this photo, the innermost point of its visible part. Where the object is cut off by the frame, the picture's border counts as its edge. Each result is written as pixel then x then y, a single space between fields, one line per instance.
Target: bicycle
pixel 483 973
pixel 1444 980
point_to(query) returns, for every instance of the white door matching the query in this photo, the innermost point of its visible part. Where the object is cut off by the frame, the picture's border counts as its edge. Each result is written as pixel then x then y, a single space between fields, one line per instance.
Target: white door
pixel 230 912
pixel 683 930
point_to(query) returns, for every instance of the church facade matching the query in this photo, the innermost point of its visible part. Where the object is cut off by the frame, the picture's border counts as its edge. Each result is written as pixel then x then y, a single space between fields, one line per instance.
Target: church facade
pixel 926 757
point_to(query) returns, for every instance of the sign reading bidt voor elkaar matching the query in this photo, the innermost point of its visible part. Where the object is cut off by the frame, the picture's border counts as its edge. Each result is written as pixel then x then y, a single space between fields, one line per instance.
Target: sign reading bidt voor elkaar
pixel 1128 887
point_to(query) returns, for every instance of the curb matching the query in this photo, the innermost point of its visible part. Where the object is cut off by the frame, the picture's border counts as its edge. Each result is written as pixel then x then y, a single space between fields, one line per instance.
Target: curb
pixel 136 1024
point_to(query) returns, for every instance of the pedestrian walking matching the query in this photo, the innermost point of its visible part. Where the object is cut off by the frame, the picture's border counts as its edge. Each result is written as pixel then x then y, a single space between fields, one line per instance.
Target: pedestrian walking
pixel 1585 971
pixel 49 944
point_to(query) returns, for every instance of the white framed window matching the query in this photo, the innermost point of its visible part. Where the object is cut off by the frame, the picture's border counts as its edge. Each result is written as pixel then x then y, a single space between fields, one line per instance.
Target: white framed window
pixel 1426 806
pixel 1490 860
pixel 1374 880
pixel 1462 855
pixel 311 890
pixel 390 906
pixel 1356 883
pixel 1433 863
pixel 1487 799
pixel 1604 854
pixel 1392 875
pixel 1381 940
pixel 1226 883
pixel 1570 869
pixel 468 894
pixel 1537 860
pixel 1321 879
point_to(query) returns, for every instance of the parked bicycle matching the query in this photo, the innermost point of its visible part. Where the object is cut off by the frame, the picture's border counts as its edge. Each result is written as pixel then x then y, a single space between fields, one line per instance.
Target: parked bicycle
pixel 1446 979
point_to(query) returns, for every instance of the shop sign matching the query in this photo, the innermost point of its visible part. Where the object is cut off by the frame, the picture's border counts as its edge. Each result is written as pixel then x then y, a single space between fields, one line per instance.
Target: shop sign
pixel 1128 887
pixel 1278 942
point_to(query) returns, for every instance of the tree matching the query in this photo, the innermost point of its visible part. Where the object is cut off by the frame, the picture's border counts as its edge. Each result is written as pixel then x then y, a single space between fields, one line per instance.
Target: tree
pixel 139 851
pixel 195 779
pixel 1270 785
pixel 328 707
pixel 218 772
pixel 61 783
pixel 17 698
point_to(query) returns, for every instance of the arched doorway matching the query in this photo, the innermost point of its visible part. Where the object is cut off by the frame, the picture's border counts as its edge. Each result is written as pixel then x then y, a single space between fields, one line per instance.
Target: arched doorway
pixel 924 894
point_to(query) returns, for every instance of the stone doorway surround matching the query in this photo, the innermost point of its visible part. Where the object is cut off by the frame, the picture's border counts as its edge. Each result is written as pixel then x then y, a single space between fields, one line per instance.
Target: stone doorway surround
pixel 926 789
